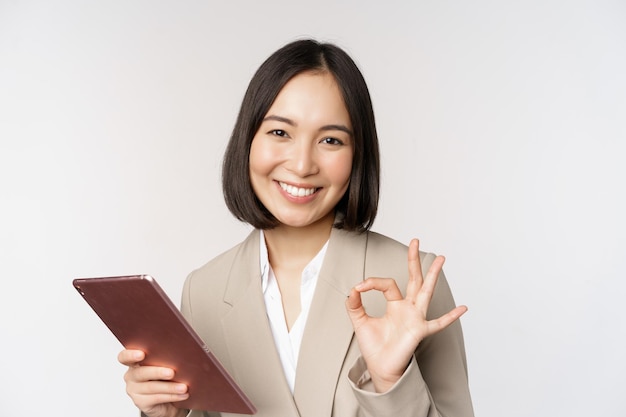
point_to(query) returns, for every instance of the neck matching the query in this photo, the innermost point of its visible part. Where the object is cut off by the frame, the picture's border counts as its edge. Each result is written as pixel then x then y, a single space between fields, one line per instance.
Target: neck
pixel 297 245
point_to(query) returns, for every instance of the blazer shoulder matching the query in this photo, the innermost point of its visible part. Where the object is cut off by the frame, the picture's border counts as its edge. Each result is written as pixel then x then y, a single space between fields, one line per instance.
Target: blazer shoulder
pixel 205 287
pixel 386 257
pixel 380 242
pixel 223 262
pixel 381 246
pixel 209 283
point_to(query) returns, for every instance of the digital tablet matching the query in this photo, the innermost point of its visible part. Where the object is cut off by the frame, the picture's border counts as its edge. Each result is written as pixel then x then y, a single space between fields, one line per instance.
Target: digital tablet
pixel 141 316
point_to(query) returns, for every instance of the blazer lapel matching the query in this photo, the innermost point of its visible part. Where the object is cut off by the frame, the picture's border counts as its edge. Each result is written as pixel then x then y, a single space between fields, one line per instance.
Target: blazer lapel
pixel 257 366
pixel 328 331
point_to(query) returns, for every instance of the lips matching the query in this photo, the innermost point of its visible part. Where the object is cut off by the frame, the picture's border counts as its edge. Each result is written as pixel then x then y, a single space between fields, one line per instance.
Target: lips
pixel 297 191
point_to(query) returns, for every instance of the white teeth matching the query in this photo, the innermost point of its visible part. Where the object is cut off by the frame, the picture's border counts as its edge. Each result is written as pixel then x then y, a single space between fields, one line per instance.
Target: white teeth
pixel 296 191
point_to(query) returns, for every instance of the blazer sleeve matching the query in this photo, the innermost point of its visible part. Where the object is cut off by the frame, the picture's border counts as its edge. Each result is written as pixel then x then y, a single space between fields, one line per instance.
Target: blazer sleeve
pixel 185 308
pixel 435 384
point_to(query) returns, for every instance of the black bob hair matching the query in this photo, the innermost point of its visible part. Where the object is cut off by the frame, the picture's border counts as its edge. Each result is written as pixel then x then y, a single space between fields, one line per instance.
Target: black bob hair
pixel 357 209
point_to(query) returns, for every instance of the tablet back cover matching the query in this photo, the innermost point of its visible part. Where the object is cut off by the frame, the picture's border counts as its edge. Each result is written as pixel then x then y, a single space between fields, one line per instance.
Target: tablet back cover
pixel 141 316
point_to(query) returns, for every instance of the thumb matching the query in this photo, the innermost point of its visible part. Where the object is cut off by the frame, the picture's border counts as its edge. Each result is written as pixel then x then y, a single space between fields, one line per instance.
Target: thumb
pixel 354 306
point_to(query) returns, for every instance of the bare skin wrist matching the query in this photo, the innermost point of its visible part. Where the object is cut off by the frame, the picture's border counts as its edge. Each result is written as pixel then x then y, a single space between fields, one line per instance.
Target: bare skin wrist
pixel 382 385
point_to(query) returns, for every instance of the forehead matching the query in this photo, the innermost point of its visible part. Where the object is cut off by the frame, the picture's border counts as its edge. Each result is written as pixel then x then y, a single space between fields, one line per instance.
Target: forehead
pixel 312 97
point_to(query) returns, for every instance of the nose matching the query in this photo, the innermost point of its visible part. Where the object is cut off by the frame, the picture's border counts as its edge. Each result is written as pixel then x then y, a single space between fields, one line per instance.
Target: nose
pixel 303 160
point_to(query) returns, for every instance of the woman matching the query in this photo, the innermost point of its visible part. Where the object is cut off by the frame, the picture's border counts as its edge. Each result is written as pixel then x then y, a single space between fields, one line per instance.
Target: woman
pixel 302 313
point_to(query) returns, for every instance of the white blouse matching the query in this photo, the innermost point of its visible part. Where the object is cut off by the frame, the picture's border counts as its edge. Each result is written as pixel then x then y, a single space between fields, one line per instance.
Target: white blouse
pixel 288 342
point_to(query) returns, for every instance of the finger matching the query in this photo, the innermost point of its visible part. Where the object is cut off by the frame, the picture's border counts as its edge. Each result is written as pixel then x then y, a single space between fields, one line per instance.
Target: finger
pixel 157 388
pixel 148 402
pixel 354 302
pixel 130 357
pixel 415 271
pixel 444 321
pixel 425 293
pixel 148 373
pixel 354 306
pixel 387 286
pixel 146 396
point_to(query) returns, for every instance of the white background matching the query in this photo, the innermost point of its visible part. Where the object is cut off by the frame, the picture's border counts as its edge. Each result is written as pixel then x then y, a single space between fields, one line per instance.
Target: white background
pixel 502 127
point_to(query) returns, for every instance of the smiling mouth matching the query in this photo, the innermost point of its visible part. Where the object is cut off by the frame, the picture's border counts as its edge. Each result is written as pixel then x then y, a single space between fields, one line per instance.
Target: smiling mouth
pixel 297 191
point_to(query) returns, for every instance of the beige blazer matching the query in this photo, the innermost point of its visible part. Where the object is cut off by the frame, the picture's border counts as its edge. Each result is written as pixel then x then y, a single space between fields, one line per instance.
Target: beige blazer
pixel 223 301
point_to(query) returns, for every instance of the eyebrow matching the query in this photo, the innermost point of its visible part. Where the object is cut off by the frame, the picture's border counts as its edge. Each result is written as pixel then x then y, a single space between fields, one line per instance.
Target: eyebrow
pixel 323 128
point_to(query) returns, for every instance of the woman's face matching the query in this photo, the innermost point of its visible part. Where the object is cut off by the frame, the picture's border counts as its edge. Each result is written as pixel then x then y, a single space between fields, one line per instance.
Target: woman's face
pixel 301 156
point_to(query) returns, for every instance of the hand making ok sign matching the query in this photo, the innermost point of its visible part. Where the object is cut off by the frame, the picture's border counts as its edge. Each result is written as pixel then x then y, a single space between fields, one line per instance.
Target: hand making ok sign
pixel 388 342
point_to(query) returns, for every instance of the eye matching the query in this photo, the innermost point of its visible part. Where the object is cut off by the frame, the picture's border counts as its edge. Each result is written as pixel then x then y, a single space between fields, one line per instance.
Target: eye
pixel 278 132
pixel 331 141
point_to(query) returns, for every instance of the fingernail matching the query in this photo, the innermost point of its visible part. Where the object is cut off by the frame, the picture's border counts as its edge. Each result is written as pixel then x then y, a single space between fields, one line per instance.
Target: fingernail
pixel 181 388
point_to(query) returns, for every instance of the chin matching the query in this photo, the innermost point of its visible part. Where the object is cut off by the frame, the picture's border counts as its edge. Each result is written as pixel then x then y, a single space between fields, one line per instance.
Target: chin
pixel 299 221
pixel 295 223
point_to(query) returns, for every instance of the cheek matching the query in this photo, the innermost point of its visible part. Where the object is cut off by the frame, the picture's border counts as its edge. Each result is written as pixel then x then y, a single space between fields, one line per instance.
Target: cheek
pixel 259 158
pixel 342 168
